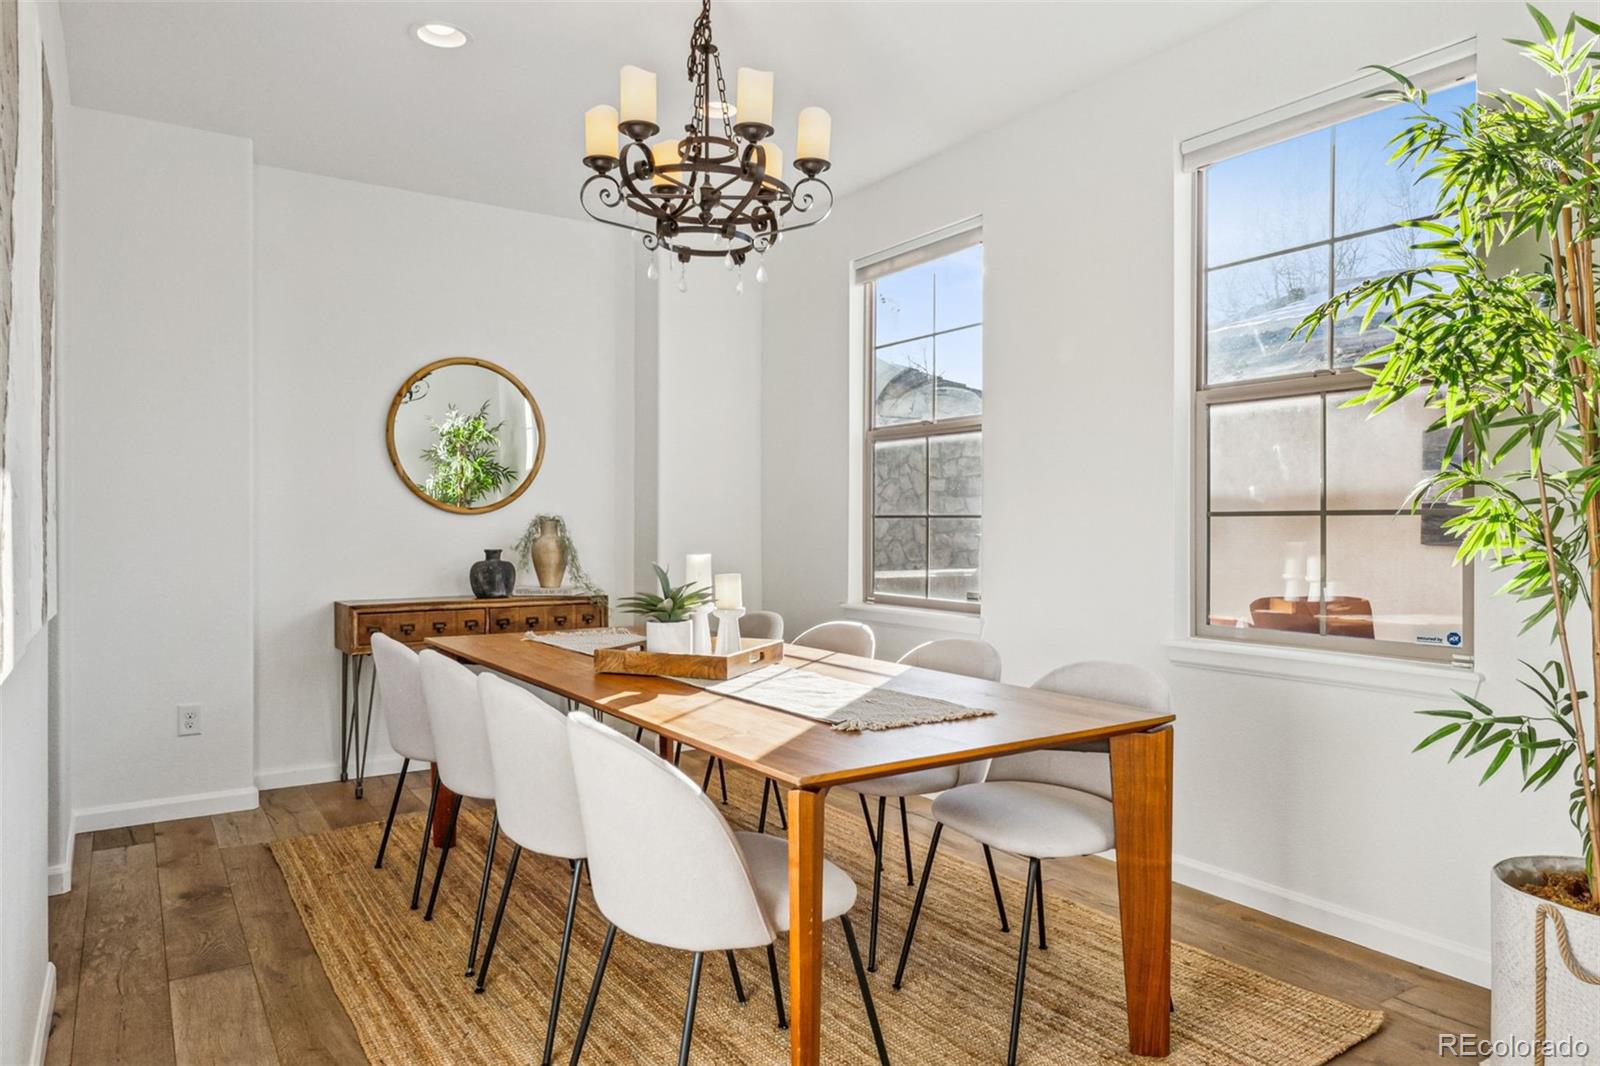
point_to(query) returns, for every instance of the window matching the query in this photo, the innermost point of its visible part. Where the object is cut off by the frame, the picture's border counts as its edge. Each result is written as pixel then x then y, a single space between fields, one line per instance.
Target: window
pixel 924 423
pixel 1301 533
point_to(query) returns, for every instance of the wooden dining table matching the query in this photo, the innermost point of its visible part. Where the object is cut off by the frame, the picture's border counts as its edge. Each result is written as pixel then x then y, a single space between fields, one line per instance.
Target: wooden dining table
pixel 810 757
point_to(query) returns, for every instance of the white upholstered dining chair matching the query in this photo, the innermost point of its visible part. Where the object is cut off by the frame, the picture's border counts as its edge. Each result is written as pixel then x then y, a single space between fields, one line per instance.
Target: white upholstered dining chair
pixel 666 869
pixel 1041 804
pixel 406 713
pixel 537 801
pixel 455 714
pixel 973 658
pixel 847 638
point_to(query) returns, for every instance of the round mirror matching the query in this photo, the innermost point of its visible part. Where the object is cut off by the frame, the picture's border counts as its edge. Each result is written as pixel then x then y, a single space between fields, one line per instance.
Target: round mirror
pixel 465 435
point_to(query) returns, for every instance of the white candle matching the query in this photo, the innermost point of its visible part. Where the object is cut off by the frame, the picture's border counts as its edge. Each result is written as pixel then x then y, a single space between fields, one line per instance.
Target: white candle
pixel 774 164
pixel 664 154
pixel 730 592
pixel 1313 568
pixel 638 95
pixel 697 571
pixel 755 96
pixel 600 131
pixel 814 134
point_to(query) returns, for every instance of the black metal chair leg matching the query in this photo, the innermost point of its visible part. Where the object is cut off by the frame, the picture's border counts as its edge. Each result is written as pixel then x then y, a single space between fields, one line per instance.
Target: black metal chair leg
pixel 594 993
pixel 444 856
pixel 877 884
pixel 766 789
pixel 733 971
pixel 778 802
pixel 638 734
pixel 905 837
pixel 994 883
pixel 1022 960
pixel 394 805
pixel 1038 875
pixel 483 894
pixel 777 986
pixel 499 913
pixel 916 908
pixel 561 964
pixel 688 1010
pixel 866 993
pixel 711 765
pixel 427 835
pixel 722 779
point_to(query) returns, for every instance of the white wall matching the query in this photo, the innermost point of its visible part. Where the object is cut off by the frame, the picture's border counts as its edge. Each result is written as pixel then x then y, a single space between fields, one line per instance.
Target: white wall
pixel 703 463
pixel 156 591
pixel 356 287
pixel 1301 798
pixel 27 718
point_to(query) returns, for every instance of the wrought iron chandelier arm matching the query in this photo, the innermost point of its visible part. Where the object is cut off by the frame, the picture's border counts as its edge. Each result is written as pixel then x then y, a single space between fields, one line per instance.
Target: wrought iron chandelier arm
pixel 609 193
pixel 803 200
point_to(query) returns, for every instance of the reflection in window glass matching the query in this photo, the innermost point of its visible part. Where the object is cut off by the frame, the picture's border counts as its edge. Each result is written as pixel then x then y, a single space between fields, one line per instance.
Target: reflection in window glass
pixel 1383 566
pixel 1369 189
pixel 953 558
pixel 1376 460
pixel 1258 558
pixel 955 474
pixel 903 305
pixel 958 289
pixel 1252 312
pixel 1266 455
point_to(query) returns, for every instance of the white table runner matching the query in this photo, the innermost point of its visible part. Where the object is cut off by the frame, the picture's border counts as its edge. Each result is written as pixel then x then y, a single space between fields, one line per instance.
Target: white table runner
pixel 848 706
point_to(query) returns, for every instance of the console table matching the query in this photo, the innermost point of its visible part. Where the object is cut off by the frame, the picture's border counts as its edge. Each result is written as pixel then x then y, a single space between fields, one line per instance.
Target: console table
pixel 413 621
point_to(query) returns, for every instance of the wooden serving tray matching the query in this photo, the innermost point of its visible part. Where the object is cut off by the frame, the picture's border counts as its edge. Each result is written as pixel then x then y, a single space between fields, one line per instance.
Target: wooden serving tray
pixel 752 655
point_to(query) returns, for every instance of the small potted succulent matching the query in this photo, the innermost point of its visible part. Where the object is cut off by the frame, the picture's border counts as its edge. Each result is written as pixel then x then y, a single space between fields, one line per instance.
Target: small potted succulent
pixel 668 627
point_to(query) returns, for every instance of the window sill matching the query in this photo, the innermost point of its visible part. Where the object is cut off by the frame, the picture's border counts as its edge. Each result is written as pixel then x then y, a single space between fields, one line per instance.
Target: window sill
pixel 963 622
pixel 1339 669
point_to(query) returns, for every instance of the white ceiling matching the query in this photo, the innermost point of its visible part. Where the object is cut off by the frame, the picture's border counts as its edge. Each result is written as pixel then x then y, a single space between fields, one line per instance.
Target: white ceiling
pixel 343 89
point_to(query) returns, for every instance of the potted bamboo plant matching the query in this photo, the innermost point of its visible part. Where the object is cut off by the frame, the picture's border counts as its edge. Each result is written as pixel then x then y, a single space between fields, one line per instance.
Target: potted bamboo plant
pixel 1509 361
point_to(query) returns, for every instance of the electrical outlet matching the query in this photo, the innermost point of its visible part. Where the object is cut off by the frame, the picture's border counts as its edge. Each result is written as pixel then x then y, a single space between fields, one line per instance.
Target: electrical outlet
pixel 188 719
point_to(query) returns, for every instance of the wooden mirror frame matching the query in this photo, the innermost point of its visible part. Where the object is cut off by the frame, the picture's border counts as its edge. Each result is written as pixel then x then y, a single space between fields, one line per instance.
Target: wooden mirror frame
pixel 394 455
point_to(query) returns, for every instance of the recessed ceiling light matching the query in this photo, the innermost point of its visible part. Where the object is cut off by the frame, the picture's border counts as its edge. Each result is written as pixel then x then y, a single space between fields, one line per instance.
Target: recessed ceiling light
pixel 440 35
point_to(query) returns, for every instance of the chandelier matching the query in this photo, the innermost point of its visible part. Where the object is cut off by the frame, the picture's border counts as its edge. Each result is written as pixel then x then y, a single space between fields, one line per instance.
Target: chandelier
pixel 718 191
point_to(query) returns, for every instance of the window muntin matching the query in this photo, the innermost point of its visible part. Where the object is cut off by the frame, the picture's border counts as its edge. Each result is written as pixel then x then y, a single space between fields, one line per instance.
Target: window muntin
pixel 924 434
pixel 1300 533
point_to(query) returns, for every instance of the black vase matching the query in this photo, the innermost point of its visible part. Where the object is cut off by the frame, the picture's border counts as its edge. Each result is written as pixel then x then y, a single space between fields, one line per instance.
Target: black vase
pixel 492 577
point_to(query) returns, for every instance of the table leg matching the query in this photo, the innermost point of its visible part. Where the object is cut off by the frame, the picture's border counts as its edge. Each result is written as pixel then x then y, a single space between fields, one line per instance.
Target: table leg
pixel 443 834
pixel 805 925
pixel 344 718
pixel 1141 797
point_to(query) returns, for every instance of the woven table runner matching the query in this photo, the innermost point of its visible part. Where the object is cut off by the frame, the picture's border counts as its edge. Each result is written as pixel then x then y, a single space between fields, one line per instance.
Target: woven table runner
pixel 848 706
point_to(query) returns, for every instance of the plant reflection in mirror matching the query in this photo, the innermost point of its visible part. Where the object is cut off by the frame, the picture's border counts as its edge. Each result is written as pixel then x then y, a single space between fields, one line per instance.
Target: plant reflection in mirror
pixel 466 458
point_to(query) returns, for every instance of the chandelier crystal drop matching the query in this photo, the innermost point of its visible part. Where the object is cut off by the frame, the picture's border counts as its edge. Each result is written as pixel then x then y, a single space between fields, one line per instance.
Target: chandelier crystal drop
pixel 718 191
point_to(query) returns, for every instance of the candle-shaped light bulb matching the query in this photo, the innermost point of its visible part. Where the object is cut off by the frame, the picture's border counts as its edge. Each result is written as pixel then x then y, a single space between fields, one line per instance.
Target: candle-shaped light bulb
pixel 814 132
pixel 664 154
pixel 755 96
pixel 600 132
pixel 729 592
pixel 638 95
pixel 697 571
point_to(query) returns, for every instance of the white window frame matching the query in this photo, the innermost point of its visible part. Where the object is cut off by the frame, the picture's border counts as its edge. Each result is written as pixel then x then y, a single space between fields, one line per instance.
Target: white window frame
pixel 926 248
pixel 1432 70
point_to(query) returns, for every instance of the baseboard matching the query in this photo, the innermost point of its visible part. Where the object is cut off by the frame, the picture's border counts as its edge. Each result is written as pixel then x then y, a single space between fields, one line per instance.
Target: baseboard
pixel 1380 934
pixel 58 879
pixel 318 772
pixel 47 1012
pixel 164 810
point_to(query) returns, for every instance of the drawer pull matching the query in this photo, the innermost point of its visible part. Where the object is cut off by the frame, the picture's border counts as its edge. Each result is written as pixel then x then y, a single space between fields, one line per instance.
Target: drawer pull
pixel 439 627
pixel 374 629
pixel 532 621
pixel 407 629
pixel 561 619
pixel 588 619
pixel 472 623
pixel 502 623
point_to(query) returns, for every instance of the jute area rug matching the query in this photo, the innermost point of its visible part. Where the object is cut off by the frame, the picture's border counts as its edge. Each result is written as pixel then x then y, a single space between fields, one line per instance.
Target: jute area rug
pixel 401 979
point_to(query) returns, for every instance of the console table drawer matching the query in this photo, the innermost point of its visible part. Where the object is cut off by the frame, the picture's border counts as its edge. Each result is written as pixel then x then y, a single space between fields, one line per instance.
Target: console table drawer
pixel 519 619
pixel 408 627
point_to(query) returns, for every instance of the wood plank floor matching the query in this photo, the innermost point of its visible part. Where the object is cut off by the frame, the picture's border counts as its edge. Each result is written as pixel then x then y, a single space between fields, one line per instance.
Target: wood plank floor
pixel 179 942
